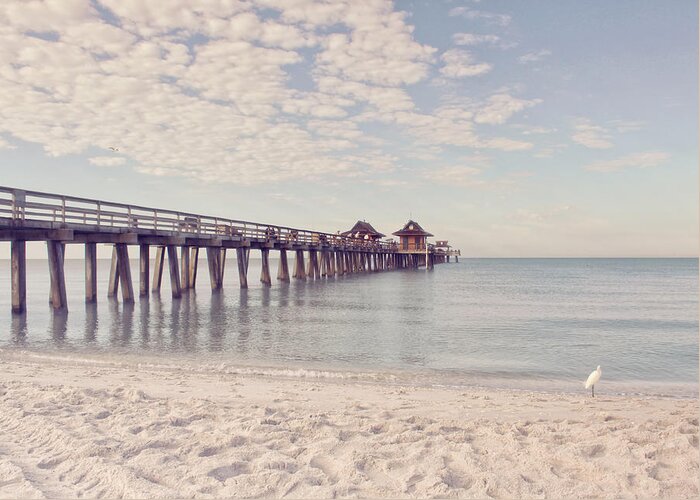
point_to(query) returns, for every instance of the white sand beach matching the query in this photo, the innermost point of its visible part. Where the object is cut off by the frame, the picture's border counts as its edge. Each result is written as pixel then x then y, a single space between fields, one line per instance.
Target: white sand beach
pixel 98 429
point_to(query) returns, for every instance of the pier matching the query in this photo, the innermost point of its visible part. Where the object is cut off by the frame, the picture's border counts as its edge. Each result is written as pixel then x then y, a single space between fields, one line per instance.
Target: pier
pixel 177 238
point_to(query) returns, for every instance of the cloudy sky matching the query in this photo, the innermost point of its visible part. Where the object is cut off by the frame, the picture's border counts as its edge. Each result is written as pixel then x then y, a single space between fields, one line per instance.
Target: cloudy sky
pixel 543 128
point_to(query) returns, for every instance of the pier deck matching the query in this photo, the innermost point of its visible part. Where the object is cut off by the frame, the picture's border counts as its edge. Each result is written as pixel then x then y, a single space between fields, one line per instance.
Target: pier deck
pixel 59 220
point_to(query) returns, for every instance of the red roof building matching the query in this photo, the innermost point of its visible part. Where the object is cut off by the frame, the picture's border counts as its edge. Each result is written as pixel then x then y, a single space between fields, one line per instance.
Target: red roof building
pixel 412 236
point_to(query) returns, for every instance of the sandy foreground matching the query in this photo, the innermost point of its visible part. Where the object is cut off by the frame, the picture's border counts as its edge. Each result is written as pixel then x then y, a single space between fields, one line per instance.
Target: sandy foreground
pixel 101 429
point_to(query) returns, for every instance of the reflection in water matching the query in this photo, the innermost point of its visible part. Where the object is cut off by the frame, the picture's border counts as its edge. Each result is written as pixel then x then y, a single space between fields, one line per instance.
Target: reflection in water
pixel 91 322
pixel 59 326
pixel 19 329
pixel 144 316
pixel 217 321
pixel 243 322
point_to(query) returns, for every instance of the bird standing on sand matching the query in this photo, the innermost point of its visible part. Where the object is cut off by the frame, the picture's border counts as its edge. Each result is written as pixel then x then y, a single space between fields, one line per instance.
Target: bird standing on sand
pixel 593 379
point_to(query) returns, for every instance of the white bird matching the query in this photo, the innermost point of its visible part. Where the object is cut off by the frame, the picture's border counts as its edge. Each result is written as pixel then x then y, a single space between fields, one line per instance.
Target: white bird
pixel 593 379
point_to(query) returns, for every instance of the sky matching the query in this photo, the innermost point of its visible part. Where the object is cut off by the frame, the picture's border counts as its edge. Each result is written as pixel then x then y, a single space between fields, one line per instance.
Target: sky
pixel 511 129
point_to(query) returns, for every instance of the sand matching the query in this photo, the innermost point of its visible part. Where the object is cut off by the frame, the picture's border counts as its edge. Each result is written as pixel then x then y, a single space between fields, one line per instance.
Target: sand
pixel 94 428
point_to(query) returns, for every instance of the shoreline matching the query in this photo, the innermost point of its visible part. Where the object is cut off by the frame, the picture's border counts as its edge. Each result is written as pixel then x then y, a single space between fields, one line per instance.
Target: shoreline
pixel 90 429
pixel 420 377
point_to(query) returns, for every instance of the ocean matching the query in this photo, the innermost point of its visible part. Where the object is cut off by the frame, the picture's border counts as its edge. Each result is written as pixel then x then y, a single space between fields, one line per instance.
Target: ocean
pixel 541 324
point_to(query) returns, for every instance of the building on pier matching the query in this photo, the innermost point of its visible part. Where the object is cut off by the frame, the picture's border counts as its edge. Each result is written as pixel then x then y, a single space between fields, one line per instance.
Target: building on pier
pixel 412 237
pixel 363 230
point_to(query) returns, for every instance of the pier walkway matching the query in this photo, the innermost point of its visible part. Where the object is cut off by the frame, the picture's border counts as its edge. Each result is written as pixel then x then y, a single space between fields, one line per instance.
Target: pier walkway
pixel 59 220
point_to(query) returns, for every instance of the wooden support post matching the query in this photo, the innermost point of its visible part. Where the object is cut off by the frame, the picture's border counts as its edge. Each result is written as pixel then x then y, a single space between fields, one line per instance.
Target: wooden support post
pixel 144 269
pixel 90 272
pixel 19 276
pixel 194 261
pixel 323 264
pixel 213 256
pixel 456 259
pixel 331 263
pixel 113 283
pixel 222 265
pixel 158 271
pixel 242 258
pixel 174 272
pixel 317 266
pixel 265 269
pixel 336 264
pixel 185 268
pixel 58 278
pixel 310 265
pixel 125 272
pixel 283 269
pixel 299 271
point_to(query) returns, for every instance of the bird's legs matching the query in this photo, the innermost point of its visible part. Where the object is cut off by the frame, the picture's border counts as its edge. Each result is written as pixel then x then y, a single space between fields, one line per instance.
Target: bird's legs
pixel 592 391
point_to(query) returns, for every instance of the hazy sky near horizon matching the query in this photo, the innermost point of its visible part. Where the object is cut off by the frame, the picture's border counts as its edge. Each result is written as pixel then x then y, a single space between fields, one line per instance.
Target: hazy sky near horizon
pixel 510 128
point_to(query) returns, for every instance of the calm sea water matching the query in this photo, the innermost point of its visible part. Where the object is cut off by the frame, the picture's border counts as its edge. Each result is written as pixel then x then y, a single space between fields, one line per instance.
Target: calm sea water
pixel 542 323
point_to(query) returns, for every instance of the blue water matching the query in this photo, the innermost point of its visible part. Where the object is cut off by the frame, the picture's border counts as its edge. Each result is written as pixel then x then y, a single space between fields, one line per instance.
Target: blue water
pixel 543 323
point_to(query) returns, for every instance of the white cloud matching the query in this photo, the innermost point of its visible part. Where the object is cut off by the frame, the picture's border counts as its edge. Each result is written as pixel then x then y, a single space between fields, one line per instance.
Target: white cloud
pixel 489 17
pixel 460 63
pixel 107 161
pixel 637 160
pixel 526 130
pixel 500 107
pixel 473 39
pixel 457 175
pixel 534 56
pixel 592 136
pixel 227 91
pixel 624 126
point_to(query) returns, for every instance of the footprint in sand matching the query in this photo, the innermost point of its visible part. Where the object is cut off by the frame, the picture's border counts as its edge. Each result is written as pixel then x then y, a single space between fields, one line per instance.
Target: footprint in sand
pixel 593 451
pixel 229 471
pixel 325 464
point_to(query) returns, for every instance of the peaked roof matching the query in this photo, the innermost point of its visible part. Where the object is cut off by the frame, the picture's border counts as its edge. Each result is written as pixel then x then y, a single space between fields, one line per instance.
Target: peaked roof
pixel 412 228
pixel 363 227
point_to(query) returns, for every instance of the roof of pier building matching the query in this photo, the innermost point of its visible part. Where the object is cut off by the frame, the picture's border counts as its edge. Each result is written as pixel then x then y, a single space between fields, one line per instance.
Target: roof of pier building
pixel 363 228
pixel 412 228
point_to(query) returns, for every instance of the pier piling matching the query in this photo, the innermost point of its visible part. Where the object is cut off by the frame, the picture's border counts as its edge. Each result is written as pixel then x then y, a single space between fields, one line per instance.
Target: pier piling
pixel 19 276
pixel 113 282
pixel 265 269
pixel 144 269
pixel 125 273
pixel 158 271
pixel 242 258
pixel 174 272
pixel 283 269
pixel 57 274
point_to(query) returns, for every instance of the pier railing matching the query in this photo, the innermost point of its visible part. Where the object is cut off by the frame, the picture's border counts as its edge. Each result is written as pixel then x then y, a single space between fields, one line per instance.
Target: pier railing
pixel 25 208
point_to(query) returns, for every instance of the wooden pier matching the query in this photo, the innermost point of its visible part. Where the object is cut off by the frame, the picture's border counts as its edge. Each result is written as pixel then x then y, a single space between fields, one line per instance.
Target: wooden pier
pixel 177 238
